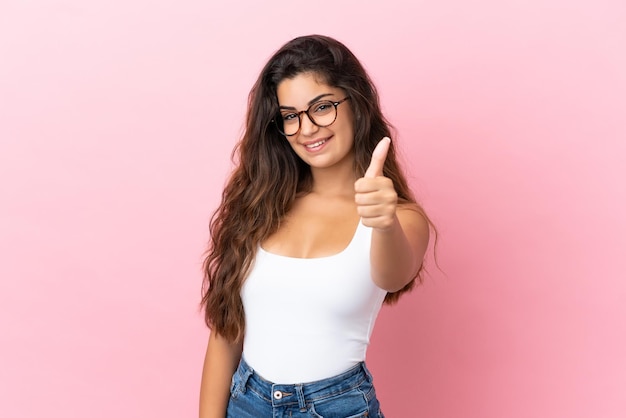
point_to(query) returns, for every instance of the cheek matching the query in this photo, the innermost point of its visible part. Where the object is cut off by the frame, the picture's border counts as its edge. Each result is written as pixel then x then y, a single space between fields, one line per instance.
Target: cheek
pixel 347 130
pixel 348 127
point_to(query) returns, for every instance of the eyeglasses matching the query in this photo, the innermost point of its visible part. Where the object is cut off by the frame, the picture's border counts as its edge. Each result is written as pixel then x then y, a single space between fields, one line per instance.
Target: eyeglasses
pixel 322 114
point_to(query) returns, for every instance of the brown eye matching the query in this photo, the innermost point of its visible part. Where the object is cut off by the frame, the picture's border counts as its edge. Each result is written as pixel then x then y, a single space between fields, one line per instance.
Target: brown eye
pixel 289 117
pixel 322 108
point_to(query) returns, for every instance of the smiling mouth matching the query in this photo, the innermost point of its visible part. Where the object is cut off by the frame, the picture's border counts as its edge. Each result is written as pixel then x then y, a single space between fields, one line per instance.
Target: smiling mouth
pixel 316 144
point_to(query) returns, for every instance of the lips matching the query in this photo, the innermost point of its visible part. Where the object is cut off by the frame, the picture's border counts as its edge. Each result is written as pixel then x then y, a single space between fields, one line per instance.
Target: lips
pixel 315 145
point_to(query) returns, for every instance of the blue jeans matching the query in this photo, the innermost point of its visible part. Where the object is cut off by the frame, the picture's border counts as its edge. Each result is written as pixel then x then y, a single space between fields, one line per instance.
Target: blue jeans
pixel 348 395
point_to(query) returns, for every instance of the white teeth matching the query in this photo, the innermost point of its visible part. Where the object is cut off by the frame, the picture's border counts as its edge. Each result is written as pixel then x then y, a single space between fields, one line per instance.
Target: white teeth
pixel 315 145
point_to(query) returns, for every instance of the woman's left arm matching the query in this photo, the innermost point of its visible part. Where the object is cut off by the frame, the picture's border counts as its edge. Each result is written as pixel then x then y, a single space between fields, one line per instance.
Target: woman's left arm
pixel 400 233
pixel 397 252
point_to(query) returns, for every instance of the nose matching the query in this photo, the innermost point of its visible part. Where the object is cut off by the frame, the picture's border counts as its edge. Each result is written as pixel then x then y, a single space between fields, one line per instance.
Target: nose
pixel 307 127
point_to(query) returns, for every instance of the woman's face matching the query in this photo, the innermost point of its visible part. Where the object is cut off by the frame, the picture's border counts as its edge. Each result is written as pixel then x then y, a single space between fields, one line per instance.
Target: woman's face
pixel 319 147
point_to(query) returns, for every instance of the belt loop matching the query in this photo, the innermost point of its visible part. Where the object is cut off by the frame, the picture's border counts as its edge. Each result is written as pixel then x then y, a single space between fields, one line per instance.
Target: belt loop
pixel 247 372
pixel 301 401
pixel 367 372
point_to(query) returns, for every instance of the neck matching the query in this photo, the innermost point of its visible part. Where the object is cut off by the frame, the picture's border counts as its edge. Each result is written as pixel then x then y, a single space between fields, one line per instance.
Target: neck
pixel 334 181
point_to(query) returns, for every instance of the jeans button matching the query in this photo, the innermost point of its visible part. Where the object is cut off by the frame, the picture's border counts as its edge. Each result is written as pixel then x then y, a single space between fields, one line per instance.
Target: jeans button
pixel 278 394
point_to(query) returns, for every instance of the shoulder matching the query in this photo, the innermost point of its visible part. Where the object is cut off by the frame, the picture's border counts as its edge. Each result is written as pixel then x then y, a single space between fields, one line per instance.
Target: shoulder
pixel 414 222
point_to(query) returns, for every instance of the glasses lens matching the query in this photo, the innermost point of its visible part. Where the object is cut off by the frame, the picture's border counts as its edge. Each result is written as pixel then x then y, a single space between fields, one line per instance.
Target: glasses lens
pixel 323 113
pixel 288 123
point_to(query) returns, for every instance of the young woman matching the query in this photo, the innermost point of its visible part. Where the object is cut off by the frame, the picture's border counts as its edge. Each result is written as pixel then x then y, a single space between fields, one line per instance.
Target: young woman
pixel 316 229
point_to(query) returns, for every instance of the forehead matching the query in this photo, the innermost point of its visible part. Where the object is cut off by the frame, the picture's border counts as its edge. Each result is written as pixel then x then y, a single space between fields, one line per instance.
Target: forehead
pixel 298 91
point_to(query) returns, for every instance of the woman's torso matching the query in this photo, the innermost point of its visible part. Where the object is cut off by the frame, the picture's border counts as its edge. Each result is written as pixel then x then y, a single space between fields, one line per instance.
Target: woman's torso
pixel 309 299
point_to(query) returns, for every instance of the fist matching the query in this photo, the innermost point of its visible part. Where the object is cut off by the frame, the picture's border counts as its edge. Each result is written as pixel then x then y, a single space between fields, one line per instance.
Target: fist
pixel 375 197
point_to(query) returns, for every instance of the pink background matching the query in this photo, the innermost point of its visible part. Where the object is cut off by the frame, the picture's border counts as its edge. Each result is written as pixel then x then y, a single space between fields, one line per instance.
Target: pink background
pixel 116 123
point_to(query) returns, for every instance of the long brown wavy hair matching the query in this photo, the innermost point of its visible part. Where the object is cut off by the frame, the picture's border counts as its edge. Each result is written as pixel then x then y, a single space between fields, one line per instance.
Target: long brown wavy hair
pixel 269 175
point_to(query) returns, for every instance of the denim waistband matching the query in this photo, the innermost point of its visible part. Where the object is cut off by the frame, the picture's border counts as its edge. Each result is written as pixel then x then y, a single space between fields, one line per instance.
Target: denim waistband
pixel 301 393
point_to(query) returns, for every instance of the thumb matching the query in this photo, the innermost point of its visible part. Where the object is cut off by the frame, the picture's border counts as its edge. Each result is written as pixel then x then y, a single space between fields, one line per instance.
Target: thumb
pixel 378 158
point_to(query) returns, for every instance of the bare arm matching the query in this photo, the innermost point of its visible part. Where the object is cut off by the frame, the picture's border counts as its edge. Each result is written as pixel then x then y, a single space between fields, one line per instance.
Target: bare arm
pixel 400 233
pixel 220 362
pixel 397 252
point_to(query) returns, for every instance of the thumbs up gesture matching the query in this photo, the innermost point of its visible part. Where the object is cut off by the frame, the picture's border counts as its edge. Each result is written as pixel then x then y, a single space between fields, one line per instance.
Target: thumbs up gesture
pixel 375 197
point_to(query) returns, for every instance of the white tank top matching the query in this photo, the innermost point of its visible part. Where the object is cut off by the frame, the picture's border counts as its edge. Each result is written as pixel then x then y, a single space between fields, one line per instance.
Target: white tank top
pixel 309 319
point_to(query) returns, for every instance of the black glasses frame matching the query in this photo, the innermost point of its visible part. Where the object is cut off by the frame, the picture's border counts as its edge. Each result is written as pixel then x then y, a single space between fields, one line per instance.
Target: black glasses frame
pixel 299 114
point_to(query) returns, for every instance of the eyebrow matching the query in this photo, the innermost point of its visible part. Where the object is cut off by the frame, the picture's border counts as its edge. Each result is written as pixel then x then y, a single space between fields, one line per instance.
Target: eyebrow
pixel 310 102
